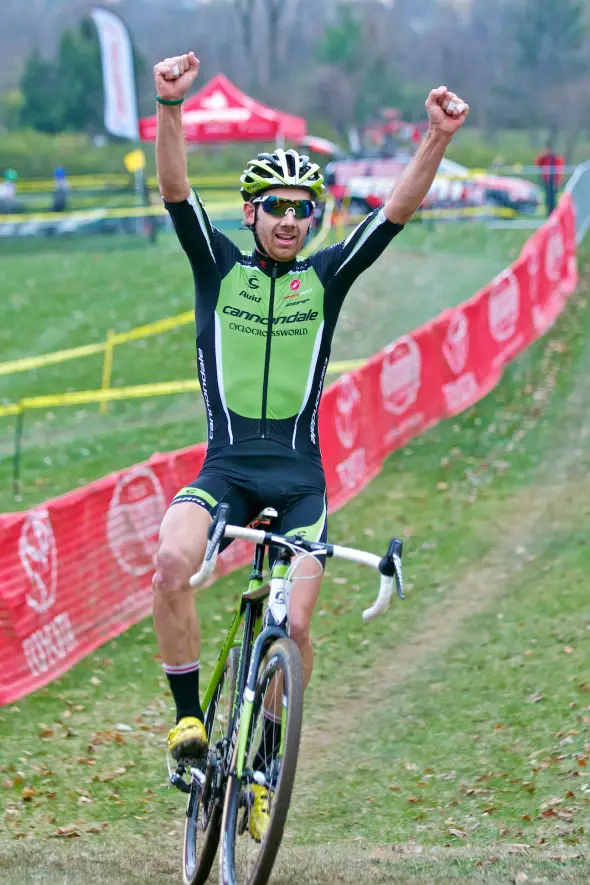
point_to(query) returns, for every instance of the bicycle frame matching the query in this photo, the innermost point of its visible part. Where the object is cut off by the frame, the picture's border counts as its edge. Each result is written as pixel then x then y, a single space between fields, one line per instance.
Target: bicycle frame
pixel 255 641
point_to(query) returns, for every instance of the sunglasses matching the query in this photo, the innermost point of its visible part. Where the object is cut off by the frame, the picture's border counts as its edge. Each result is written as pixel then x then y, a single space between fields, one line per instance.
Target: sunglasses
pixel 279 206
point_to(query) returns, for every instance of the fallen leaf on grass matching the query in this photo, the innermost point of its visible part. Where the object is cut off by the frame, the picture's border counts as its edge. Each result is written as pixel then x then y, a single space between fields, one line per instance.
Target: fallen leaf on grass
pixel 460 834
pixel 110 775
pixel 535 698
pixel 520 879
pixel 67 832
pixel 568 649
pixel 29 793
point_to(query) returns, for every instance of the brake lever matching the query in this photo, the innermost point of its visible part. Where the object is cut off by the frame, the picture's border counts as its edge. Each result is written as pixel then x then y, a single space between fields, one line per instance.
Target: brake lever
pixel 391 565
pixel 217 529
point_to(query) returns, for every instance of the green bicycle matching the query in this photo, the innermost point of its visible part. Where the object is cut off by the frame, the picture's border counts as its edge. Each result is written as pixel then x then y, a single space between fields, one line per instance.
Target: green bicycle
pixel 257 678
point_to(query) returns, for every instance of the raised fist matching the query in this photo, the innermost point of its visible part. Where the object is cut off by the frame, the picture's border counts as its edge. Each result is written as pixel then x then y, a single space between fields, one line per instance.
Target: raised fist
pixel 175 76
pixel 446 111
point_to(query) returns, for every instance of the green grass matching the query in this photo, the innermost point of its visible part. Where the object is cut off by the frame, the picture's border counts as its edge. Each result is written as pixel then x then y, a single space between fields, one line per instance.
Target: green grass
pixel 64 295
pixel 445 742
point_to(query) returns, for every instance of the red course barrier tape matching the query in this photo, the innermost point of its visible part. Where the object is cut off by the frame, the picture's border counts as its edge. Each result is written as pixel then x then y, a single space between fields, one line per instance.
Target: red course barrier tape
pixel 77 571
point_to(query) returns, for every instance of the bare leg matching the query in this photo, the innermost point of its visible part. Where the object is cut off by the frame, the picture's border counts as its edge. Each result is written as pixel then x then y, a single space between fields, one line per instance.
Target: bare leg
pixel 304 594
pixel 183 538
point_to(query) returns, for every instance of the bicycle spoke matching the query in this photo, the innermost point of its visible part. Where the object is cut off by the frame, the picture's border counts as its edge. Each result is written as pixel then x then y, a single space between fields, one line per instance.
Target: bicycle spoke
pixel 256 805
pixel 203 819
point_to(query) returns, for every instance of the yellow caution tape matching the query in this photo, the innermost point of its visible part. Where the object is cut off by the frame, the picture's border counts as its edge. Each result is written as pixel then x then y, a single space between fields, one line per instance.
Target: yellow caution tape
pixel 122 180
pixel 76 182
pixel 468 212
pixel 90 215
pixel 324 230
pixel 82 397
pixel 156 328
pixel 138 391
pixel 48 359
pixel 61 356
pixel 10 409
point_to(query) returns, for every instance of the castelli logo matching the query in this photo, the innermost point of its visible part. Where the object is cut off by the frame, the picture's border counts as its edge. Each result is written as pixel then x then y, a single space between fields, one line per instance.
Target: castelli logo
pixel 504 306
pixel 133 520
pixel 294 285
pixel 456 344
pixel 38 556
pixel 554 254
pixel 216 101
pixel 532 265
pixel 401 375
pixel 348 411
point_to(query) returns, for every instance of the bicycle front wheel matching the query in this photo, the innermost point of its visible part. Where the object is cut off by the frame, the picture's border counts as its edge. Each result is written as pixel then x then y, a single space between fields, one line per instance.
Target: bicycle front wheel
pixel 203 815
pixel 248 853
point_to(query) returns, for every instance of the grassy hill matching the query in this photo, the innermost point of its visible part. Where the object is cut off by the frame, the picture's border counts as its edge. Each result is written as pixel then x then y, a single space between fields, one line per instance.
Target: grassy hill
pixel 56 296
pixel 446 742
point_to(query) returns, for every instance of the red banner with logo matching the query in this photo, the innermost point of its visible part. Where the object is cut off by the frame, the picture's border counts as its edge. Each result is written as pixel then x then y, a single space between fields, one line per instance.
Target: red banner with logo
pixel 77 571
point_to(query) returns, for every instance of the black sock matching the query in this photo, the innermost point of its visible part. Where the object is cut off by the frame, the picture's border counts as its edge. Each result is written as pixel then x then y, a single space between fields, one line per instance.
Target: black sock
pixel 184 685
pixel 269 744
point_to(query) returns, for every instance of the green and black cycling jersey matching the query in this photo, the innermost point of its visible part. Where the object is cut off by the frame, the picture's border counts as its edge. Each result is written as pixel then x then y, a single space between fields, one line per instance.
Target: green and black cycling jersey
pixel 264 328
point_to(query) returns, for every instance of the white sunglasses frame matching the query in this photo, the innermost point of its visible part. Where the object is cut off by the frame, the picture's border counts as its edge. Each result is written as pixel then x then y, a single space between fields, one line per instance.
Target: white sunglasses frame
pixel 289 209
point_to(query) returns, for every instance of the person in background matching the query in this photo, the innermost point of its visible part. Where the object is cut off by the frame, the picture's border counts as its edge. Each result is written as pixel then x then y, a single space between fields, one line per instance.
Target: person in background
pixel 551 165
pixel 61 190
pixel 8 202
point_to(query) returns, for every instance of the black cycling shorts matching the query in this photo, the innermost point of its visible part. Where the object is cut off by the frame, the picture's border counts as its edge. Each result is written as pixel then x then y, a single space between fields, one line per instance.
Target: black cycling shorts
pixel 255 474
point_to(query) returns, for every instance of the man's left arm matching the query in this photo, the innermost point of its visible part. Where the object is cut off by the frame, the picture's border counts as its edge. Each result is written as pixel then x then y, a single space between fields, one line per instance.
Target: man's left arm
pixel 446 114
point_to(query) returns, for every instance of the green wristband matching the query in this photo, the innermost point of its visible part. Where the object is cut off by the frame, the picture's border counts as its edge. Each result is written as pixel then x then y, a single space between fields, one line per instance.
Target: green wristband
pixel 169 100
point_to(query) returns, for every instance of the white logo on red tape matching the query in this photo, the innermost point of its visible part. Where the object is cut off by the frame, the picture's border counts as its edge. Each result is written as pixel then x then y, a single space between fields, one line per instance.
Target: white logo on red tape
pixel 533 272
pixel 133 520
pixel 401 375
pixel 456 344
pixel 38 556
pixel 504 306
pixel 554 253
pixel 348 411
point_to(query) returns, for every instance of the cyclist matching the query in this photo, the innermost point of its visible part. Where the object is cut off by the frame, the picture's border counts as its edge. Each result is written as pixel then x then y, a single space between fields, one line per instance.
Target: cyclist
pixel 264 324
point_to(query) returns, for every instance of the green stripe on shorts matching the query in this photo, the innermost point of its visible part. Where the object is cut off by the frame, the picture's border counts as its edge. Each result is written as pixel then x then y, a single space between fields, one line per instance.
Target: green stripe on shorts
pixel 193 492
pixel 311 532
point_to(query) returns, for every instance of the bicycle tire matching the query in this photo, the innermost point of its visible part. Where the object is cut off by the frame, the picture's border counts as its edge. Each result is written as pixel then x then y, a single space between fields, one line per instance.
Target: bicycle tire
pixel 197 862
pixel 283 656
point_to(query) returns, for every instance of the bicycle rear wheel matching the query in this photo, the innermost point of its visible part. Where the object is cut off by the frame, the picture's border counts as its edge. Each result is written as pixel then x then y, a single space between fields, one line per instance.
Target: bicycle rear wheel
pixel 205 805
pixel 244 860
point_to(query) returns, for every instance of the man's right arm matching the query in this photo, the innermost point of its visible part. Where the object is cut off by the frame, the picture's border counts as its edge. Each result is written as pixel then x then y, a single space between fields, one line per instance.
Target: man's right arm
pixel 209 252
pixel 170 155
pixel 173 78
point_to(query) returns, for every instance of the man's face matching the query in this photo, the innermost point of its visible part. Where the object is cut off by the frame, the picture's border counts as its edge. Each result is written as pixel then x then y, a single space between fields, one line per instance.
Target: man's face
pixel 281 238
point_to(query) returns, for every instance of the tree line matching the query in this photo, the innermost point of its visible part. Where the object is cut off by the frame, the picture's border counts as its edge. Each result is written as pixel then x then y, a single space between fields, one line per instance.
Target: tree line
pixel 520 63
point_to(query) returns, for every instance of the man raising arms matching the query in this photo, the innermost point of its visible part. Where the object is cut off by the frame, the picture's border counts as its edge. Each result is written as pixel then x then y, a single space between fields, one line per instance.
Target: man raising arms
pixel 264 326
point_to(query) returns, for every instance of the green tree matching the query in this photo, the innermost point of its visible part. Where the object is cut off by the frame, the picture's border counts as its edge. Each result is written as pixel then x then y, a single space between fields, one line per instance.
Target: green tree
pixel 43 95
pixel 367 78
pixel 67 92
pixel 550 53
pixel 11 103
pixel 79 69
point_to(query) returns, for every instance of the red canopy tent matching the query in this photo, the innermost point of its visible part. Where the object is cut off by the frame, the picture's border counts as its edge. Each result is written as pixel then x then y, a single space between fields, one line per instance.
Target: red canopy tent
pixel 222 112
